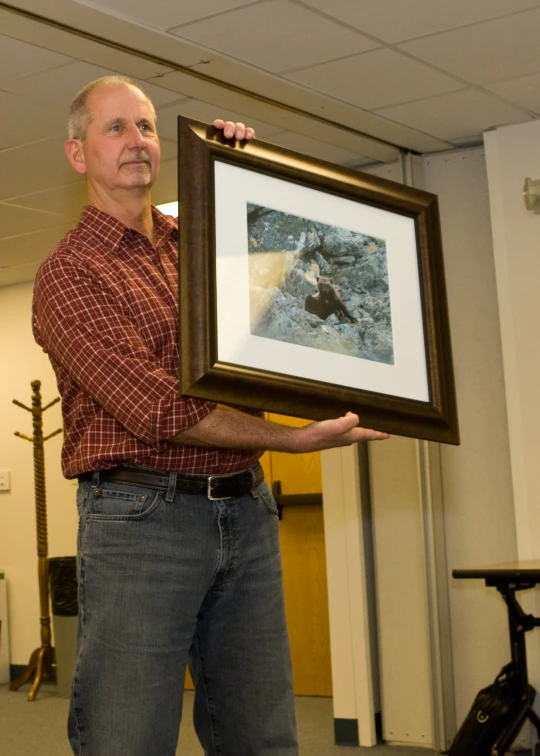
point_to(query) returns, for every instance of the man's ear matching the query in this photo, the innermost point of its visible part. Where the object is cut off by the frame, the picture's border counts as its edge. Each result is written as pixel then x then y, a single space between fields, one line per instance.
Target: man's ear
pixel 75 154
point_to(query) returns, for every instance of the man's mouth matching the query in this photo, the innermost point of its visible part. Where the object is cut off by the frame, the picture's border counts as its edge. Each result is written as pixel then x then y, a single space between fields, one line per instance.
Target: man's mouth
pixel 139 160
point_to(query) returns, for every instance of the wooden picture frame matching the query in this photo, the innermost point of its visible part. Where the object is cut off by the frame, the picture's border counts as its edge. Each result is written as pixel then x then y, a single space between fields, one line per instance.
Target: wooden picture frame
pixel 310 289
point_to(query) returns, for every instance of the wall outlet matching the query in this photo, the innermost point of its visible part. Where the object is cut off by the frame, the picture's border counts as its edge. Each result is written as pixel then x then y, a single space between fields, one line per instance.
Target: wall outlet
pixel 5 480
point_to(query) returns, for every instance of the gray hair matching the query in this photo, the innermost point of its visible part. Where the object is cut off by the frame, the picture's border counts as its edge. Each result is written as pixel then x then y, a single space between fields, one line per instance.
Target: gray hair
pixel 79 113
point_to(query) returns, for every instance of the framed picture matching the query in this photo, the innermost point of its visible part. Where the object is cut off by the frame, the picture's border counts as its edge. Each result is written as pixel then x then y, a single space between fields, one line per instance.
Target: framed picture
pixel 310 289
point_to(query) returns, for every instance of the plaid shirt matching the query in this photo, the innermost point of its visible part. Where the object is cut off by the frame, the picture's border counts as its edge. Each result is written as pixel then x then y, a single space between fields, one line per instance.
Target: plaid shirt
pixel 106 311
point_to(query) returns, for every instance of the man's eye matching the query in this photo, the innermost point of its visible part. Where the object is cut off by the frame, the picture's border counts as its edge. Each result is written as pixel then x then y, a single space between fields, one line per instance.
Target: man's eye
pixel 115 127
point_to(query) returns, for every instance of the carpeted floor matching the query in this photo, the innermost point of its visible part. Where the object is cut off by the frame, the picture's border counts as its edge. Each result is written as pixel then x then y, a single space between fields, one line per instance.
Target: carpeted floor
pixel 38 728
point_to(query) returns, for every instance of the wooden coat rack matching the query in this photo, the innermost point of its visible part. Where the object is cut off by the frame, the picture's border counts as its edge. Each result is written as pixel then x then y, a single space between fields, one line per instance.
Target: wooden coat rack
pixel 42 659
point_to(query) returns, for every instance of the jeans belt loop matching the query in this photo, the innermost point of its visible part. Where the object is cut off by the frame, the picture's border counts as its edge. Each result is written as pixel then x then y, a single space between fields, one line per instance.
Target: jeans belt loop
pixel 95 480
pixel 171 490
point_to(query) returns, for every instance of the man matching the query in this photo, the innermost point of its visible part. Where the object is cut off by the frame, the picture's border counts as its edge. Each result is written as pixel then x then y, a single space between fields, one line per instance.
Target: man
pixel 178 551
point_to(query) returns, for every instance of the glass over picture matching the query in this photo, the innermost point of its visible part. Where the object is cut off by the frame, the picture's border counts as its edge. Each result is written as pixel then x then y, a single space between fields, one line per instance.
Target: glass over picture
pixel 318 285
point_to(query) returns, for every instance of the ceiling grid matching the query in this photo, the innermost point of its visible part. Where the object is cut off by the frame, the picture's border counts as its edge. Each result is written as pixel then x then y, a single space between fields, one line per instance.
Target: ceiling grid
pixel 343 81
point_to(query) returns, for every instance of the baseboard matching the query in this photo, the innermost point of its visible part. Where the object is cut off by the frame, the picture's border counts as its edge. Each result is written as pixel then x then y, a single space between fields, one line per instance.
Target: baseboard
pixel 16 670
pixel 346 732
pixel 378 725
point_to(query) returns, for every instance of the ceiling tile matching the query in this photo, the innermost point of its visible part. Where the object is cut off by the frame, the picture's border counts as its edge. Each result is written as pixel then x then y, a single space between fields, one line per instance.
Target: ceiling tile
pixel 375 79
pixel 33 167
pixel 276 36
pixel 67 200
pixel 169 149
pixel 30 247
pixel 58 87
pixel 18 274
pixel 33 121
pixel 487 52
pixel 207 113
pixel 165 15
pixel 395 22
pixel 160 96
pixel 523 91
pixel 299 105
pixel 167 122
pixel 314 148
pixel 468 112
pixel 91 50
pixel 21 59
pixel 13 220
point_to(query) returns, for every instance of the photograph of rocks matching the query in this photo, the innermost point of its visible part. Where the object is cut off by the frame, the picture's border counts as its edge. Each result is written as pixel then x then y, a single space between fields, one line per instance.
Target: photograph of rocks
pixel 319 286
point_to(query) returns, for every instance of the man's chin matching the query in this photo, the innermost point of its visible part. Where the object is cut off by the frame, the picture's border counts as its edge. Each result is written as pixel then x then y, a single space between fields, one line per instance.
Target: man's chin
pixel 141 182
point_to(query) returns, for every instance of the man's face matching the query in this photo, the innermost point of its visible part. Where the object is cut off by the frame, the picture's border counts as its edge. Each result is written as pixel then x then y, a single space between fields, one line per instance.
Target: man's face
pixel 121 149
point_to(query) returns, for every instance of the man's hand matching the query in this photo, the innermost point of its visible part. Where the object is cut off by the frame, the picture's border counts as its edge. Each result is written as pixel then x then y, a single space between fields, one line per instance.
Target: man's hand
pixel 329 434
pixel 237 130
pixel 228 428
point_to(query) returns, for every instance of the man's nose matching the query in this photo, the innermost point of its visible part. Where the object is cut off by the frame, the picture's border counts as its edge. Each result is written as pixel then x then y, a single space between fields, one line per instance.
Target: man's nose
pixel 136 137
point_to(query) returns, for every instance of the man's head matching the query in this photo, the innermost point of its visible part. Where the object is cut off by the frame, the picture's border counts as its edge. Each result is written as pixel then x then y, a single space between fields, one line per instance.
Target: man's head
pixel 79 113
pixel 112 136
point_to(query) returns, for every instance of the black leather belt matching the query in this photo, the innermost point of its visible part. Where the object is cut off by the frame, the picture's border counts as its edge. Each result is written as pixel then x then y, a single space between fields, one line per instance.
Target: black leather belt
pixel 216 487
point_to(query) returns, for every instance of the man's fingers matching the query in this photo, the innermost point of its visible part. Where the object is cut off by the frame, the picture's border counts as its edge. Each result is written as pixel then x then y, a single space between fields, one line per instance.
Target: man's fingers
pixel 368 434
pixel 372 435
pixel 351 427
pixel 341 431
pixel 237 130
pixel 240 131
pixel 364 434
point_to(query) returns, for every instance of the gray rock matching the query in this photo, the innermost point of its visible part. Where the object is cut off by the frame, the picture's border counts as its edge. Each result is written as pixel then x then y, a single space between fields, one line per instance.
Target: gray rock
pixel 281 280
pixel 324 267
pixel 345 260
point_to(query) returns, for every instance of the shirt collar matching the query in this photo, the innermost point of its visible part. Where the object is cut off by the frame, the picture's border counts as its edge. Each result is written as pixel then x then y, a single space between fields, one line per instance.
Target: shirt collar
pixel 111 231
pixel 166 227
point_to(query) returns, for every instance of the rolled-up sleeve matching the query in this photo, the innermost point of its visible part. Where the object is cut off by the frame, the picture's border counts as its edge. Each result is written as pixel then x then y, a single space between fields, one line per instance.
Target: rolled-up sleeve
pixel 87 330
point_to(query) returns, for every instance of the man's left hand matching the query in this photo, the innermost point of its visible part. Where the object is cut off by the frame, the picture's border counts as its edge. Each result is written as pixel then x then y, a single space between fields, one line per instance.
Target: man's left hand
pixel 237 130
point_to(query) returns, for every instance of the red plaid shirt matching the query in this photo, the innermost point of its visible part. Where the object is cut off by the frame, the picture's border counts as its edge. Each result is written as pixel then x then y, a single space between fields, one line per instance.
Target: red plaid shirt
pixel 106 311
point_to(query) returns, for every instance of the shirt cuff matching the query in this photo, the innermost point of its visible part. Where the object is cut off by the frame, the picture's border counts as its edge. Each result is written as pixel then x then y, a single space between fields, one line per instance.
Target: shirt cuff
pixel 184 413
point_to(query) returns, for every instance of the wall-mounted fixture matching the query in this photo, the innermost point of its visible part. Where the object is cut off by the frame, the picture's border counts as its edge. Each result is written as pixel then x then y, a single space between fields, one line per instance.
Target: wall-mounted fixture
pixel 531 195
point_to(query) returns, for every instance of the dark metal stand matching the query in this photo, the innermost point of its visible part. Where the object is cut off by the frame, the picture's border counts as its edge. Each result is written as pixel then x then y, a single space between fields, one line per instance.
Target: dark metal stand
pixel 507 581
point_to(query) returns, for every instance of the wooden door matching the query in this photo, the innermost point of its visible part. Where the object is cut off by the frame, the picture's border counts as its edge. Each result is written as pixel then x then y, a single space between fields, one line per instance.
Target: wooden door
pixel 304 568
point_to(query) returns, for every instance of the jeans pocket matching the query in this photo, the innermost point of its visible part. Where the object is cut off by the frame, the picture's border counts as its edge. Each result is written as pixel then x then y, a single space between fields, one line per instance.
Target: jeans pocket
pixel 82 498
pixel 264 494
pixel 121 502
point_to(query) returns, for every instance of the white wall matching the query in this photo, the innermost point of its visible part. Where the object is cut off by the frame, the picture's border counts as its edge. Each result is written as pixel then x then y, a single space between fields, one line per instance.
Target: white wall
pixel 514 154
pixel 22 362
pixel 476 485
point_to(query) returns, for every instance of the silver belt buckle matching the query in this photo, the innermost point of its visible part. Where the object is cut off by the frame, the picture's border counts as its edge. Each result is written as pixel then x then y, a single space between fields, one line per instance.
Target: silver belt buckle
pixel 209 489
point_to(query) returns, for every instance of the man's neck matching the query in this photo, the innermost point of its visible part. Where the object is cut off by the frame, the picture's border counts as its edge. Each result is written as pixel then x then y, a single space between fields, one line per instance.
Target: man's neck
pixel 134 211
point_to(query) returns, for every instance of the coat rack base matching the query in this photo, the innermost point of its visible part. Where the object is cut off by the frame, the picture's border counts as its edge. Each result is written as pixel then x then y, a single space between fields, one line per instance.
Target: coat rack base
pixel 40 667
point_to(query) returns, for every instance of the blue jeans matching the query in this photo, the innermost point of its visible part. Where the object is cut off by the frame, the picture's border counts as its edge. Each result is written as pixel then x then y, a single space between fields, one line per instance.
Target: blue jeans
pixel 167 579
